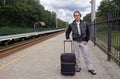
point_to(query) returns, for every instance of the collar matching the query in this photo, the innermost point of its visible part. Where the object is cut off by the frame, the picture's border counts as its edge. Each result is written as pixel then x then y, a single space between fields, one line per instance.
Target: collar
pixel 74 22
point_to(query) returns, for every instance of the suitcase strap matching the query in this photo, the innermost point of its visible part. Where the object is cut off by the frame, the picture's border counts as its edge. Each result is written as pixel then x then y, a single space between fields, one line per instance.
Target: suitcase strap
pixel 64 45
pixel 67 62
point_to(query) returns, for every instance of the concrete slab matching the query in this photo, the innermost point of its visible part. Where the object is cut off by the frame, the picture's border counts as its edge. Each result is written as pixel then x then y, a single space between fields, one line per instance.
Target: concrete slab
pixel 42 61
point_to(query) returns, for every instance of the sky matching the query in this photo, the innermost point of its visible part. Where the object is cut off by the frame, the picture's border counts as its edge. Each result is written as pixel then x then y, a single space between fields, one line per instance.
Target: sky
pixel 65 8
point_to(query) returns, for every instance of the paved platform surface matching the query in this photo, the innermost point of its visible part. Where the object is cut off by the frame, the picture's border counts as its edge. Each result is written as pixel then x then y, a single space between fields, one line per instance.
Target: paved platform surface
pixel 42 61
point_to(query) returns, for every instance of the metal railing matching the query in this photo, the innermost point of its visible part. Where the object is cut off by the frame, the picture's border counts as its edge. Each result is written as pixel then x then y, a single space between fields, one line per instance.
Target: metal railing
pixel 106 34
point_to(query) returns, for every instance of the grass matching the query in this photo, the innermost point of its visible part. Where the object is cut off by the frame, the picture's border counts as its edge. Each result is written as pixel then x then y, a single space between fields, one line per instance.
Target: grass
pixel 14 30
pixel 7 30
pixel 115 41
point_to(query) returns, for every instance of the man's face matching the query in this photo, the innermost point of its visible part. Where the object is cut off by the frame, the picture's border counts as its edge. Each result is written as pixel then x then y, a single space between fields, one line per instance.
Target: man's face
pixel 77 16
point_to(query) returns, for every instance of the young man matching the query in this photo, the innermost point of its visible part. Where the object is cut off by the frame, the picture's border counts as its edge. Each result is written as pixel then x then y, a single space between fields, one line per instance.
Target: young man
pixel 80 36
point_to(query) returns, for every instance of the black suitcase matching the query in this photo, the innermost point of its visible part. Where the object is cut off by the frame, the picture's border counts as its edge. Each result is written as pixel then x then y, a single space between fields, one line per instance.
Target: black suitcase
pixel 67 62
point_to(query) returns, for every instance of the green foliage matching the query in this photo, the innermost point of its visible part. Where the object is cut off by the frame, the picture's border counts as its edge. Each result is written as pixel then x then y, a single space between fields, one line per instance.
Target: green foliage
pixel 115 38
pixel 13 30
pixel 87 18
pixel 24 13
pixel 62 24
pixel 9 30
pixel 106 6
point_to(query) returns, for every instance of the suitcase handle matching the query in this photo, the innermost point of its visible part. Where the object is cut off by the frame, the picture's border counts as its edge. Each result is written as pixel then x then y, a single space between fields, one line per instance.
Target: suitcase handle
pixel 67 41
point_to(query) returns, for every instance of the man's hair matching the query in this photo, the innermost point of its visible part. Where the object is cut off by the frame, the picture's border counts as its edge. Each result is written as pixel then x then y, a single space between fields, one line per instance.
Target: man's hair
pixel 76 12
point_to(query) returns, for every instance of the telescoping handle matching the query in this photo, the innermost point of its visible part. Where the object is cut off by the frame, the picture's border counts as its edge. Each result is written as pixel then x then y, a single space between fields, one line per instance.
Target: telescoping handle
pixel 65 42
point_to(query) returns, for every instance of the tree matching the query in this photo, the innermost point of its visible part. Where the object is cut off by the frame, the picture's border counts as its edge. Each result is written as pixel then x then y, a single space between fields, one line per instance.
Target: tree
pixel 108 6
pixel 24 13
pixel 87 18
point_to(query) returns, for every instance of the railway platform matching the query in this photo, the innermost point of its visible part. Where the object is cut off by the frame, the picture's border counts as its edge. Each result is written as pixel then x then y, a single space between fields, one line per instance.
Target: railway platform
pixel 42 61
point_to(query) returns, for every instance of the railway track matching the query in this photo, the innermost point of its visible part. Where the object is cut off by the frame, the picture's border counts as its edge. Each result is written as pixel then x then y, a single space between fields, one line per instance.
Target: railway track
pixel 6 51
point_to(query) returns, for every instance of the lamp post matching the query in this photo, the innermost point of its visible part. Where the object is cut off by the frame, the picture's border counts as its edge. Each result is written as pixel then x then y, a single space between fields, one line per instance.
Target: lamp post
pixel 4 2
pixel 93 17
pixel 56 22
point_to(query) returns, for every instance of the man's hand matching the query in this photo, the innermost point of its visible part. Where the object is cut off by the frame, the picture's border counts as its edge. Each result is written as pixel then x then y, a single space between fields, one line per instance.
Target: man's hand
pixel 85 43
pixel 68 40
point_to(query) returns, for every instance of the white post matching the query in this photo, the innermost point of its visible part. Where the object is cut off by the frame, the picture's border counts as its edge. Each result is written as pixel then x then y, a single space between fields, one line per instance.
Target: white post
pixel 93 15
pixel 56 22
pixel 4 2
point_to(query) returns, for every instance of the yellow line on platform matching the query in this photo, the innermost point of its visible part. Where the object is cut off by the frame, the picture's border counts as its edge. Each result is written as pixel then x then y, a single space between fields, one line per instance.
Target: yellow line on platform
pixel 16 59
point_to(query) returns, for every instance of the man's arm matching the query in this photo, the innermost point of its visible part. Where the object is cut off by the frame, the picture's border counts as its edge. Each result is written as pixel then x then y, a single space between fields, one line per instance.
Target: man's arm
pixel 68 31
pixel 87 33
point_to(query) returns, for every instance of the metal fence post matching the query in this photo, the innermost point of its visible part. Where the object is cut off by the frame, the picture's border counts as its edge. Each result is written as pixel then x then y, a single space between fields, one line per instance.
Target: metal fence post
pixel 94 24
pixel 109 35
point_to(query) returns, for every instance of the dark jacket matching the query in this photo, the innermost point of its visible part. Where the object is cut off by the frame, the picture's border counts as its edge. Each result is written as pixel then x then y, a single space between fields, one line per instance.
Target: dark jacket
pixel 85 33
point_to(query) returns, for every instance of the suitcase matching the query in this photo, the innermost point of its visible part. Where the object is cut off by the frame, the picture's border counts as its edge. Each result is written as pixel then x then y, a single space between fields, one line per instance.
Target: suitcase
pixel 67 62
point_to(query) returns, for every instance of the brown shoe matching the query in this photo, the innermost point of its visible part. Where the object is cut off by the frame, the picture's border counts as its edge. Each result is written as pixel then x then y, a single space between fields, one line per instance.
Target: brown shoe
pixel 92 72
pixel 78 69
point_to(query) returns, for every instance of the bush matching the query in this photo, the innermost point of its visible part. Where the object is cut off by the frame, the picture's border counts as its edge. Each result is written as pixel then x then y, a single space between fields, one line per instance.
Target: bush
pixel 14 30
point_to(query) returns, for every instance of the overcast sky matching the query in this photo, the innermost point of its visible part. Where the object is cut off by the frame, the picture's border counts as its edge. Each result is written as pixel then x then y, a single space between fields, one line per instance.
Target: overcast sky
pixel 65 8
